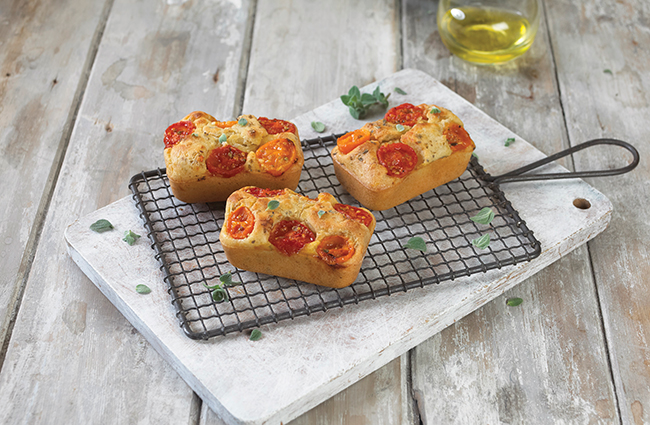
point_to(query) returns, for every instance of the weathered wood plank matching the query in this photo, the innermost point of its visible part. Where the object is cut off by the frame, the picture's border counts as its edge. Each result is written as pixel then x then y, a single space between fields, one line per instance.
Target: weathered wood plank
pixel 73 358
pixel 605 94
pixel 44 47
pixel 502 364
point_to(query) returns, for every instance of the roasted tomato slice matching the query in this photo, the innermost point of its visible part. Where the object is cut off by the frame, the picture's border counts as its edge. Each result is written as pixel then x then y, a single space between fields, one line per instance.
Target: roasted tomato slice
pixel 262 192
pixel 351 140
pixel 273 126
pixel 354 213
pixel 398 158
pixel 226 161
pixel 177 132
pixel 289 236
pixel 335 249
pixel 405 114
pixel 457 137
pixel 224 124
pixel 277 156
pixel 240 223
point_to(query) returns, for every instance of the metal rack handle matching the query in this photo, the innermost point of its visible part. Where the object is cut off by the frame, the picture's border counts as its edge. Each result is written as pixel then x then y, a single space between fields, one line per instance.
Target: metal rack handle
pixel 518 174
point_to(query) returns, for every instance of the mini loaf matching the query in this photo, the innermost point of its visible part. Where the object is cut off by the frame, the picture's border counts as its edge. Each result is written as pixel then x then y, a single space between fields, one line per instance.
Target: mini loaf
pixel 207 160
pixel 281 233
pixel 412 150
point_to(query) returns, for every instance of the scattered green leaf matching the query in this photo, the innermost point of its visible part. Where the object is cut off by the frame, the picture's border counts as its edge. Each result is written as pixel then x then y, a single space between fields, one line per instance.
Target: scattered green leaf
pixel 142 289
pixel 485 216
pixel 223 138
pixel 320 213
pixel 482 242
pixel 416 243
pixel 219 294
pixel 399 127
pixel 474 155
pixel 255 335
pixel 514 302
pixel 318 126
pixel 608 71
pixel 509 141
pixel 195 134
pixel 400 91
pixel 130 237
pixel 242 121
pixel 358 104
pixel 102 225
pixel 435 111
pixel 273 204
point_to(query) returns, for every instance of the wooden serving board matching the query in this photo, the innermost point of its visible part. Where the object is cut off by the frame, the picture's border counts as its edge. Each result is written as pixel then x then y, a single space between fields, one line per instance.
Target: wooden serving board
pixel 300 363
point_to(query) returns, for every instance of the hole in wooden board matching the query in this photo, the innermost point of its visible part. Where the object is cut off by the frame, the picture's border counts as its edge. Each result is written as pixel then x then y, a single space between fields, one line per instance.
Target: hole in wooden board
pixel 581 203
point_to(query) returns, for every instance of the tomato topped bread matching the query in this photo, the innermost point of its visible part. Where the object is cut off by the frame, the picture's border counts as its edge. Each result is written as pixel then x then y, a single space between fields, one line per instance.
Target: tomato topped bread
pixel 282 233
pixel 207 159
pixel 412 150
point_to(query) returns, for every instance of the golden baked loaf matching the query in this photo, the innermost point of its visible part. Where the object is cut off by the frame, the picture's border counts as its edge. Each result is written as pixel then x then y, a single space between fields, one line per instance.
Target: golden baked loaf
pixel 282 233
pixel 207 160
pixel 412 150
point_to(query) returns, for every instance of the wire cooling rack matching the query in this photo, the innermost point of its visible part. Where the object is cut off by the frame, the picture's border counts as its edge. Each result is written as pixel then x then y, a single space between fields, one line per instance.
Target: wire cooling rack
pixel 185 238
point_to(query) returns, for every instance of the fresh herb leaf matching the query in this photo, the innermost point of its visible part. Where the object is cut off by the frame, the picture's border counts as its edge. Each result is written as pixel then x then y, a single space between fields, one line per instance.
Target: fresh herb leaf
pixel 509 141
pixel 255 335
pixel 356 113
pixel 514 302
pixel 102 225
pixel 320 213
pixel 226 279
pixel 130 237
pixel 416 243
pixel 485 216
pixel 273 204
pixel 223 138
pixel 242 122
pixel 367 99
pixel 474 155
pixel 195 134
pixel 142 289
pixel 400 91
pixel 435 111
pixel 219 294
pixel 318 126
pixel 399 127
pixel 482 242
pixel 608 71
pixel 358 104
pixel 383 100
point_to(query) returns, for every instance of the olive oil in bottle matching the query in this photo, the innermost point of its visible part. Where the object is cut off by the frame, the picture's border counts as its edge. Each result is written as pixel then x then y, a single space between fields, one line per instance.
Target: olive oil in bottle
pixel 485 35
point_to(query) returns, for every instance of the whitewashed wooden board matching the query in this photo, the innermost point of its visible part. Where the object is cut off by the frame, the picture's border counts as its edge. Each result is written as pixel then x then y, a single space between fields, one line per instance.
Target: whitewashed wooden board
pixel 300 363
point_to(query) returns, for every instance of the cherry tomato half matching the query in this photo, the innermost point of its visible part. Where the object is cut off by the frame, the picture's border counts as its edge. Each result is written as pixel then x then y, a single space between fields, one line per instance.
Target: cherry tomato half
pixel 224 124
pixel 259 192
pixel 273 126
pixel 290 236
pixel 398 158
pixel 354 213
pixel 405 114
pixel 335 249
pixel 457 137
pixel 226 161
pixel 240 223
pixel 177 132
pixel 351 140
pixel 277 156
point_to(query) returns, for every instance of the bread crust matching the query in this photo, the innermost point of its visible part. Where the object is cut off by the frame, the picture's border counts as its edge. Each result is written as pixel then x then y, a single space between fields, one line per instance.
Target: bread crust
pixel 192 182
pixel 255 253
pixel 361 174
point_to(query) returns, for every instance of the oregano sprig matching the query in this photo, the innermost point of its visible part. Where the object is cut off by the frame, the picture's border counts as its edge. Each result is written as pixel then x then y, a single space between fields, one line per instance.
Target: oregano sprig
pixel 359 104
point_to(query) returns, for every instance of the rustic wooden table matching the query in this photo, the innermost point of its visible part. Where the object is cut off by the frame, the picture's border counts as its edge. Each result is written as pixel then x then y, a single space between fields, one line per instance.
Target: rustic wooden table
pixel 86 89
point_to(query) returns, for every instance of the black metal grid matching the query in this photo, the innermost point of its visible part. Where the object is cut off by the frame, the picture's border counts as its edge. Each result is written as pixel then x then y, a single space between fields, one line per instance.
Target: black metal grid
pixel 186 240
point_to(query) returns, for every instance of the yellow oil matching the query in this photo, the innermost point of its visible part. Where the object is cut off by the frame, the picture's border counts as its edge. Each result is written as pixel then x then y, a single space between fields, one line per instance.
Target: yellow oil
pixel 485 35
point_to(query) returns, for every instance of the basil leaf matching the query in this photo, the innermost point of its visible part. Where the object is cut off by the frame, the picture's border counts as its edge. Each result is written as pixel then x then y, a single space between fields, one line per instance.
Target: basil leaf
pixel 130 237
pixel 485 216
pixel 400 91
pixel 416 243
pixel 142 289
pixel 509 141
pixel 321 213
pixel 514 302
pixel 399 127
pixel 255 335
pixel 318 126
pixel 435 111
pixel 223 138
pixel 102 225
pixel 482 242
pixel 242 122
pixel 273 204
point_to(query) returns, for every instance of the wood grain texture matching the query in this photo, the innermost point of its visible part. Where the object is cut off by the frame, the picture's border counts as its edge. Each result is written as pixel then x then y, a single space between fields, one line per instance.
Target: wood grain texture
pixel 605 94
pixel 73 358
pixel 497 364
pixel 43 51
